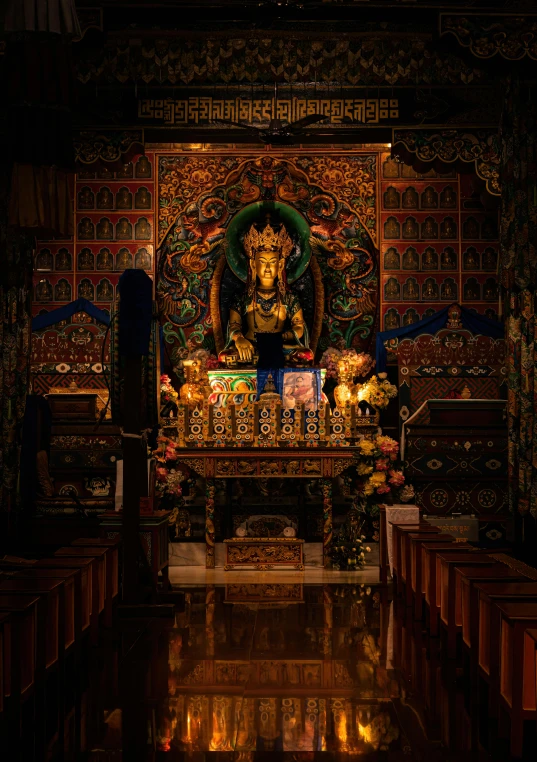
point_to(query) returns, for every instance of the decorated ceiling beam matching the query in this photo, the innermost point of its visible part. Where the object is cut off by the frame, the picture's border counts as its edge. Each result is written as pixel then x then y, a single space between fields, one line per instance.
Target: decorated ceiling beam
pixel 110 148
pixel 250 57
pixel 511 36
pixel 480 147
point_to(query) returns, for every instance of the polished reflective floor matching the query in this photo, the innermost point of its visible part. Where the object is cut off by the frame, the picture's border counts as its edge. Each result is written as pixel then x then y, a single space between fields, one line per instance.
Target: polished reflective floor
pixel 271 671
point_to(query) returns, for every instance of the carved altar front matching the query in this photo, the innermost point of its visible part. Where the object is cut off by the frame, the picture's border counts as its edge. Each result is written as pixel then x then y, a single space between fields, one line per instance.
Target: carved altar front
pixel 263 554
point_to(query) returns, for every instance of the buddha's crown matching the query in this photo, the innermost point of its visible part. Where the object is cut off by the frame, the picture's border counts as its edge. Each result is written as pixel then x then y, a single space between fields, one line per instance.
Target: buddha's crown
pixel 267 239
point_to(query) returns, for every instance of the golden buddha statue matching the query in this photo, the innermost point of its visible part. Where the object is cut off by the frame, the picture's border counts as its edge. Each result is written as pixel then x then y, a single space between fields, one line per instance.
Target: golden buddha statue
pixel 266 320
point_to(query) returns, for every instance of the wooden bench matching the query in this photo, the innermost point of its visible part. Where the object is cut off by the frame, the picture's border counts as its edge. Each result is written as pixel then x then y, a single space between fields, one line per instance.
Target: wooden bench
pixel 446 564
pixel 490 643
pixel 83 592
pixel 516 670
pixel 431 585
pixel 416 567
pixel 398 552
pixel 451 600
pixel 97 556
pixel 113 545
pixel 25 622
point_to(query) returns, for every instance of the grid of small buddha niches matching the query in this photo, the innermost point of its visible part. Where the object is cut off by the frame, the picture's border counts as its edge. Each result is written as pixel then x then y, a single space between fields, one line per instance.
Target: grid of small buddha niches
pixel 114 229
pixel 436 247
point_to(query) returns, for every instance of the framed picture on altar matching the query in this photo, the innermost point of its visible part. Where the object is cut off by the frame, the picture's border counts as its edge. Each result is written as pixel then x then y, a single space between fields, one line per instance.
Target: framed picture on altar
pixel 300 386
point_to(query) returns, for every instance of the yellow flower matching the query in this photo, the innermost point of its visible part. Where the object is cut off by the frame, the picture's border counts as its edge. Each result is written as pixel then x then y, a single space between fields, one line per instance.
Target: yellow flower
pixel 367 447
pixel 368 489
pixel 378 478
pixel 363 469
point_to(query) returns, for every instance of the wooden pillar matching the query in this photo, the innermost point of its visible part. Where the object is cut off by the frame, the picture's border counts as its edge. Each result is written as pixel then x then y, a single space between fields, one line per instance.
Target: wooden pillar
pixel 132 477
pixel 326 487
pixel 210 491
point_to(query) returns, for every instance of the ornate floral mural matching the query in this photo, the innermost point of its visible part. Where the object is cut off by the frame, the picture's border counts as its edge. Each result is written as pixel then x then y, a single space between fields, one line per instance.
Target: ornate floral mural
pixel 199 196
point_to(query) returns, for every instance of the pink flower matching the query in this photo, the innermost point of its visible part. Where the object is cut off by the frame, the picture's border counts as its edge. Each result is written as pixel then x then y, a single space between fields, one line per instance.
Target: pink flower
pixel 383 489
pixel 164 379
pixel 382 464
pixel 162 474
pixel 397 478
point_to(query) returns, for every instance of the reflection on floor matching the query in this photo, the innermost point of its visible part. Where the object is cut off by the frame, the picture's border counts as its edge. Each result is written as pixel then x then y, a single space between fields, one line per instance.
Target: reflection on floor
pixel 275 671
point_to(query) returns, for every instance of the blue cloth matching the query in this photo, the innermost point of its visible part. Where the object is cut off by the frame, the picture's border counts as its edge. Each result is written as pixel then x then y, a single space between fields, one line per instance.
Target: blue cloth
pixel 135 312
pixel 63 313
pixel 470 320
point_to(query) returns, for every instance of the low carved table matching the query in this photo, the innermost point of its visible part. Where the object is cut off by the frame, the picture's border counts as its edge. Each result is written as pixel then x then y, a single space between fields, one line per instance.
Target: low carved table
pixel 264 553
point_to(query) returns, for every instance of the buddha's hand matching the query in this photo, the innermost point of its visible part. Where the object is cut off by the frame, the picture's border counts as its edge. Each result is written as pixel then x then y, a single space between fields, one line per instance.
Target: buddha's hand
pixel 245 349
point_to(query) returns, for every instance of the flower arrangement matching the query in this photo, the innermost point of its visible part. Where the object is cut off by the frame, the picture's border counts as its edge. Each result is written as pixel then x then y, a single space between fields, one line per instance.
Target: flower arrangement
pixel 167 392
pixel 344 363
pixel 168 475
pixel 379 472
pixel 377 391
pixel 347 550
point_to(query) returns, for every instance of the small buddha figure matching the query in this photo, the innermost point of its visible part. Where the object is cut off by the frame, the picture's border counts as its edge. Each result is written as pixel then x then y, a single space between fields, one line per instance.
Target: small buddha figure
pixel 410 198
pixel 449 290
pixel 43 260
pixel 410 316
pixel 43 291
pixel 410 290
pixel 86 230
pixel 105 229
pixel 411 259
pixel 430 289
pixel 391 320
pixel 390 168
pixel 429 198
pixel 448 228
pixel 62 291
pixel 392 198
pixel 448 198
pixel 470 258
pixel 105 291
pixel 105 198
pixel 105 260
pixel 86 199
pixel 123 199
pixel 410 228
pixel 142 260
pixel 124 259
pixel 123 230
pixel 392 289
pixel 142 230
pixel 470 229
pixel 85 289
pixel 142 198
pixel 391 259
pixel 85 174
pixel 104 173
pixel 489 259
pixel 126 171
pixel 86 260
pixel 471 290
pixel 63 260
pixel 489 229
pixel 391 228
pixel 143 167
pixel 490 292
pixel 448 260
pixel 267 318
pixel 429 229
pixel 429 259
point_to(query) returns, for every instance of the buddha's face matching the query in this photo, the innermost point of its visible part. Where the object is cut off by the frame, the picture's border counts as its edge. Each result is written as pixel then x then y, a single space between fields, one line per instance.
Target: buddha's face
pixel 266 266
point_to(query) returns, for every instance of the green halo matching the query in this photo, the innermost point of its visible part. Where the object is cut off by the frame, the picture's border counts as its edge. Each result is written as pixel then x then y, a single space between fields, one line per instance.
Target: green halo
pixel 255 214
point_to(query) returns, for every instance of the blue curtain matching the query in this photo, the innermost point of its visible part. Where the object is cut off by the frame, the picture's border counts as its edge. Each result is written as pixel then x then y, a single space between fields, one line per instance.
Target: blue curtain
pixel 63 313
pixel 470 320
